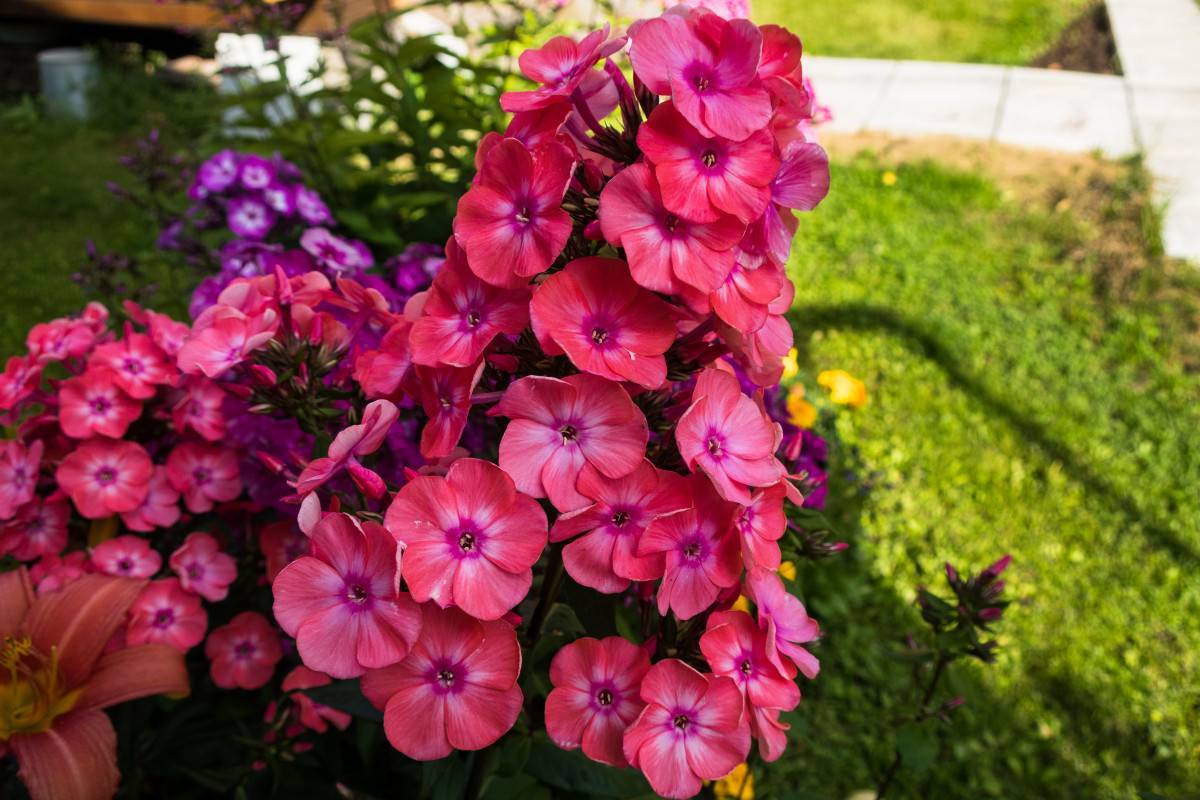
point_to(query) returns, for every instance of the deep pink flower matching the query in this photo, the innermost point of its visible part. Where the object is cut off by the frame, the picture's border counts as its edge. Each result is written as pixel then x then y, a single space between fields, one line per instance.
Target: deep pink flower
pixel 606 557
pixel 203 568
pixel 315 716
pixel 205 474
pixel 761 352
pixel 595 696
pixel 510 223
pixel 445 395
pixel 19 466
pixel 60 339
pixel 166 614
pixel 470 538
pixel 802 183
pixel 463 314
pixel 92 404
pixel 456 690
pixel 379 372
pixel 52 573
pixel 761 525
pixel 243 652
pixel 199 408
pixel 728 437
pixel 662 248
pixel 558 425
pixel 249 217
pixel 713 84
pixel 105 476
pixel 355 441
pixel 734 646
pixel 744 300
pixel 39 529
pixel 159 509
pixel 560 66
pixel 786 623
pixel 342 604
pixel 281 543
pixel 225 341
pixel 19 379
pixel 127 557
pixel 702 176
pixel 701 553
pixel 336 254
pixel 139 364
pixel 607 324
pixel 690 731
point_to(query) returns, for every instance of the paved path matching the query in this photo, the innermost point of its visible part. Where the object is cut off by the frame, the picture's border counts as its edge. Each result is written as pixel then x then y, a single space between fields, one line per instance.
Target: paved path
pixel 1154 107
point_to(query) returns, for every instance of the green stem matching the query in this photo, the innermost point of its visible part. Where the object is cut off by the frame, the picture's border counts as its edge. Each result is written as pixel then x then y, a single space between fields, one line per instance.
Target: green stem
pixel 894 767
pixel 482 767
pixel 551 583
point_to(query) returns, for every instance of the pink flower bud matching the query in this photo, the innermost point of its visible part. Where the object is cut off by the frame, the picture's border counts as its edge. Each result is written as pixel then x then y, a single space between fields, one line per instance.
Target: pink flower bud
pixel 263 375
pixel 367 480
pixel 989 614
pixel 592 231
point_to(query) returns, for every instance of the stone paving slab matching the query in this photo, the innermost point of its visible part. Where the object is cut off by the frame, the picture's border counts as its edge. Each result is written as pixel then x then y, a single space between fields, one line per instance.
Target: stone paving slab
pixel 921 100
pixel 1157 40
pixel 1068 111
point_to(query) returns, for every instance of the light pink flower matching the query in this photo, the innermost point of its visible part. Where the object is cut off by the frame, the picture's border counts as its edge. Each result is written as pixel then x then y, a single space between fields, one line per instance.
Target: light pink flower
pixel 159 509
pixel 166 614
pixel 607 324
pixel 205 474
pixel 470 539
pixel 728 437
pixel 714 84
pixel 664 249
pixel 445 395
pixel 39 529
pixel 139 365
pixel 52 573
pixel 744 300
pixel 702 176
pixel 606 557
pixel 59 339
pixel 315 716
pixel 127 557
pixel 690 731
pixel 463 314
pixel 19 466
pixel 456 690
pixel 510 223
pixel 243 652
pixel 92 404
pixel 802 183
pixel 595 696
pixel 203 568
pixel 225 341
pixel 560 66
pixel 342 603
pixel 105 476
pixel 761 525
pixel 199 408
pixel 380 372
pixel 558 425
pixel 355 441
pixel 786 623
pixel 701 553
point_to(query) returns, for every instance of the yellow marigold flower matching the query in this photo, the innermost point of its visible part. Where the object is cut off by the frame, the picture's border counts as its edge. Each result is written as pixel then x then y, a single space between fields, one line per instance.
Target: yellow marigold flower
pixel 737 785
pixel 791 366
pixel 802 413
pixel 787 571
pixel 888 178
pixel 844 388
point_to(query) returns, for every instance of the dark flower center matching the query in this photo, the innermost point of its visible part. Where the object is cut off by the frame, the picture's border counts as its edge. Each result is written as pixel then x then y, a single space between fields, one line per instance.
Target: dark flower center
pixel 568 433
pixel 620 518
pixel 700 82
pixel 672 222
pixel 106 475
pixel 446 402
pixel 164 618
pixel 201 475
pixel 356 594
pixel 195 571
pixel 681 722
pixel 132 366
pixel 472 318
pixel 466 542
pixel 599 335
pixel 709 158
pixel 691 551
pixel 747 667
pixel 446 678
pixel 124 565
pixel 714 446
pixel 524 215
pixel 244 649
pixel 100 405
pixel 604 697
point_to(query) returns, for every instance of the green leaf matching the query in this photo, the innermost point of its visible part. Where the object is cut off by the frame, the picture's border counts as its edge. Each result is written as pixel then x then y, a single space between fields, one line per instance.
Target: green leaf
pixel 574 772
pixel 345 696
pixel 917 746
pixel 444 779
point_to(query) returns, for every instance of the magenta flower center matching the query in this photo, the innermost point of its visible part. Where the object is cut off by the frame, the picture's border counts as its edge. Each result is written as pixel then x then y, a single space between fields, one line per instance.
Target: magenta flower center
pixel 100 405
pixel 568 433
pixel 447 677
pixel 124 565
pixel 715 445
pixel 604 697
pixel 132 365
pixel 201 475
pixel 620 518
pixel 106 476
pixel 472 318
pixel 746 667
pixel 195 571
pixel 356 594
pixel 164 618
pixel 523 214
pixel 671 223
pixel 681 722
pixel 244 650
pixel 466 542
pixel 709 158
pixel 599 335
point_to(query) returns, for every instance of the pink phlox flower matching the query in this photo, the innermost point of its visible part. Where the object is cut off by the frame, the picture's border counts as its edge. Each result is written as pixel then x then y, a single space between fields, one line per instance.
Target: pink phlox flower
pixel 249 217
pixel 786 623
pixel 606 557
pixel 200 408
pixel 728 437
pixel 595 696
pixel 560 66
pixel 315 716
pixel 342 603
pixel 470 539
pixel 713 84
pixel 802 183
pixel 166 614
pixel 159 509
pixel 93 404
pixel 761 525
pixel 445 395
pixel 734 646
pixel 559 424
pixel 53 573
pixel 281 543
pixel 702 176
pixel 350 444
pixel 59 340
pixel 311 207
pixel 608 325
pixel 379 372
pixel 243 653
pixel 203 568
pixel 18 381
pixel 225 339
pixel 38 529
pixel 691 730
pixel 510 223
pixel 336 254
pixel 127 557
pixel 456 690
pixel 255 172
pixel 664 249
pixel 138 363
pixel 761 352
pixel 105 476
pixel 205 474
pixel 19 467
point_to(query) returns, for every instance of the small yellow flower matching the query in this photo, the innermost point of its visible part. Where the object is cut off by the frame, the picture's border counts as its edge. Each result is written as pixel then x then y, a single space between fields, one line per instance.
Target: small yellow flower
pixel 844 388
pixel 802 413
pixel 888 178
pixel 741 604
pixel 787 571
pixel 791 367
pixel 737 785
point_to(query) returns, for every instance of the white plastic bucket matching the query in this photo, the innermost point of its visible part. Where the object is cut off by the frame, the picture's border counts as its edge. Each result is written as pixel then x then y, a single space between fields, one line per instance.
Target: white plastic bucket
pixel 67 76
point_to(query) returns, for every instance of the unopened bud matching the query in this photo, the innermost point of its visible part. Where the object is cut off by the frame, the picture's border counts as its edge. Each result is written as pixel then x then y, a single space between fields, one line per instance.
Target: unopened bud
pixel 989 614
pixel 263 375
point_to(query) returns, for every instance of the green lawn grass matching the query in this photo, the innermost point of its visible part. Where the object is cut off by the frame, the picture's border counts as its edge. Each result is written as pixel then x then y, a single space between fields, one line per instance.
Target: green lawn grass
pixel 1016 407
pixel 995 32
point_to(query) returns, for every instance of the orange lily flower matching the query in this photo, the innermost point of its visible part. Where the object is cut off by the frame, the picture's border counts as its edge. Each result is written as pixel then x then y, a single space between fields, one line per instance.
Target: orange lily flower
pixel 55 677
